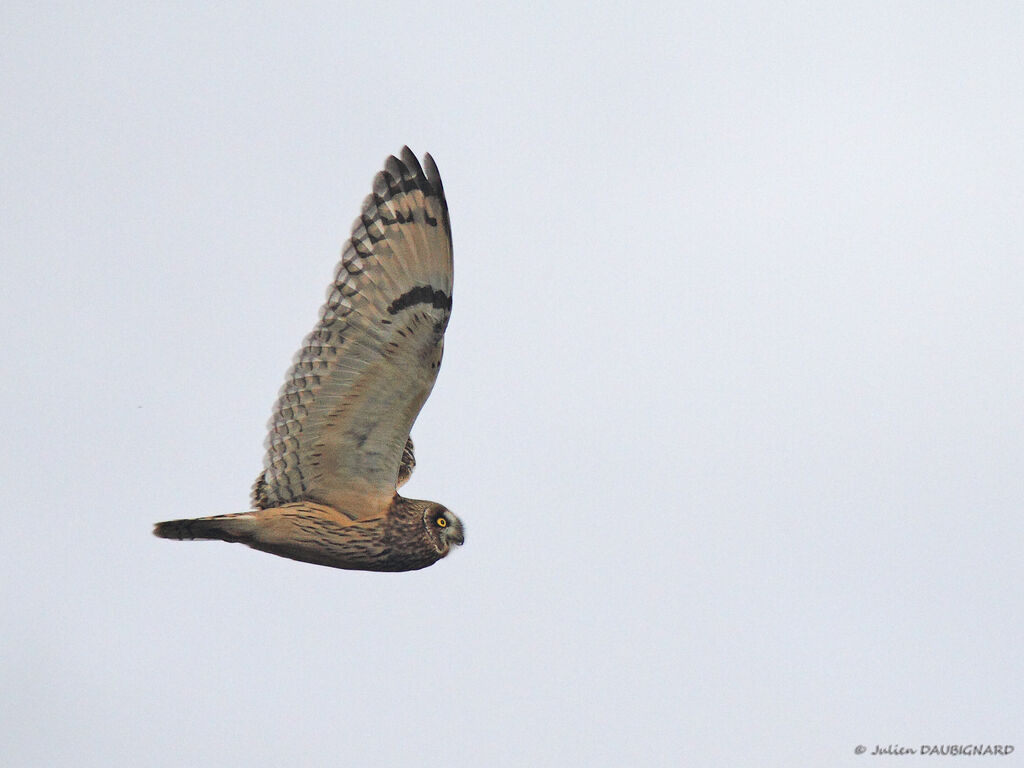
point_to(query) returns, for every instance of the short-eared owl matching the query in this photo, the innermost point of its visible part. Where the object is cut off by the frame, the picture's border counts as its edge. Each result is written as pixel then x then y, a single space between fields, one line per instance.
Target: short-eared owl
pixel 339 444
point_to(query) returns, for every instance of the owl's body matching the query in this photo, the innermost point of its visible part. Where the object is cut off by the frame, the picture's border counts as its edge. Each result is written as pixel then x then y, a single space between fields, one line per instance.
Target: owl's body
pixel 398 540
pixel 339 444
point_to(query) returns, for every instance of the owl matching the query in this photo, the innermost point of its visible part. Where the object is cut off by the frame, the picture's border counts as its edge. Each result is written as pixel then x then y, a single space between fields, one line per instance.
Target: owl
pixel 339 445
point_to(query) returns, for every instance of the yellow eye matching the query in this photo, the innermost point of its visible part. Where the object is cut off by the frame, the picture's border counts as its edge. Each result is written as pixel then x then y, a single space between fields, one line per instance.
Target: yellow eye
pixel 441 522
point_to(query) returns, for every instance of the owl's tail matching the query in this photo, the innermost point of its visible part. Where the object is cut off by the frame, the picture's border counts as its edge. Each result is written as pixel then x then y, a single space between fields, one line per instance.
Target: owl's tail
pixel 219 527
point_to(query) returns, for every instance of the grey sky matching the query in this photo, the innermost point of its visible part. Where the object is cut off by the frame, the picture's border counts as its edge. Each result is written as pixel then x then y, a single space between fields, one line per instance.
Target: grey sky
pixel 731 404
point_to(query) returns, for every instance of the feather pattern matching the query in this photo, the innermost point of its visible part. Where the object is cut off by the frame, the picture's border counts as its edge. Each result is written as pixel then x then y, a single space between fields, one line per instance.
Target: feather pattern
pixel 339 434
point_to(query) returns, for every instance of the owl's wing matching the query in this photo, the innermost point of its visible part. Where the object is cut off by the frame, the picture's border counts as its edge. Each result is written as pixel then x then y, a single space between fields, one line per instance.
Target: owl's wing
pixel 340 429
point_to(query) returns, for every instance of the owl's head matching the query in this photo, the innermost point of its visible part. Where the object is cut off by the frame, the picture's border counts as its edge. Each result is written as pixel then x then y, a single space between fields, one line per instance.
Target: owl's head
pixel 443 528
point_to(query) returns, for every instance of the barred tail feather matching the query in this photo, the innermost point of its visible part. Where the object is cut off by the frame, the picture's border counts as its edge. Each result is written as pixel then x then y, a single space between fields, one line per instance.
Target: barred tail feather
pixel 219 528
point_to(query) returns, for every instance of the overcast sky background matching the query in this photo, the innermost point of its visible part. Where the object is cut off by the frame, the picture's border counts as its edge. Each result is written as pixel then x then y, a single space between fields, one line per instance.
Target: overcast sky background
pixel 731 403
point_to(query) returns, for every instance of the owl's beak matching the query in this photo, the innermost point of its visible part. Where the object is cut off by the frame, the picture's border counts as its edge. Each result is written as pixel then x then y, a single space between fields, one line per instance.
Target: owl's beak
pixel 458 536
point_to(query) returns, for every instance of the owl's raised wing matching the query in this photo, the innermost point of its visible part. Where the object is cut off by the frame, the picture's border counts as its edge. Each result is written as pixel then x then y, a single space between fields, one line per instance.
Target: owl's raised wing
pixel 343 417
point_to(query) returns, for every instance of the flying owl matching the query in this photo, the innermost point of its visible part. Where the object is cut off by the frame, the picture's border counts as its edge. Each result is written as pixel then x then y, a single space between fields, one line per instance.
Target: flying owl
pixel 339 445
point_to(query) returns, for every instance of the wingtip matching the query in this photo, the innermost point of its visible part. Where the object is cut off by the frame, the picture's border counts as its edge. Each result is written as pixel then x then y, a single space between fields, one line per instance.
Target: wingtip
pixel 403 168
pixel 433 175
pixel 394 167
pixel 413 164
